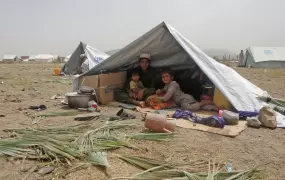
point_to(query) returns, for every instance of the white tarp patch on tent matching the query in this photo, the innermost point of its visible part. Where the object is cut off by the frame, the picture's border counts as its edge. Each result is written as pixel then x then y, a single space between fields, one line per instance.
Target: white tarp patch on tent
pixel 94 56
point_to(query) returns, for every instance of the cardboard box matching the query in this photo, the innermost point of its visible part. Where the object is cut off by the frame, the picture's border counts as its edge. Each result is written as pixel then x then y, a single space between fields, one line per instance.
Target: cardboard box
pixel 104 84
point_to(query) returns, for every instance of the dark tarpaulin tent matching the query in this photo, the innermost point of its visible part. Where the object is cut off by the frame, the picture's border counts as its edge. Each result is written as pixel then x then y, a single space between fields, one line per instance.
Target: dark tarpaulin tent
pixel 169 48
pixel 94 56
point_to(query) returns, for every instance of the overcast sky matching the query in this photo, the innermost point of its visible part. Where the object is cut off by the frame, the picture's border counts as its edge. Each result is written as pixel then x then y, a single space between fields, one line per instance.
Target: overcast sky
pixel 57 26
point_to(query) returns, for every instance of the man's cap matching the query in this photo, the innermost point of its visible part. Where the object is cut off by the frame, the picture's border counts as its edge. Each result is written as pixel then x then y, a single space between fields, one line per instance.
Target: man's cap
pixel 145 56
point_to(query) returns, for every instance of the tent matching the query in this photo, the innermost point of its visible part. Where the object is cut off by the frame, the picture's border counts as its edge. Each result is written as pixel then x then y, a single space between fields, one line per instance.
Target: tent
pixel 44 58
pixel 10 58
pixel 93 55
pixel 32 58
pixel 67 58
pixel 169 48
pixel 264 57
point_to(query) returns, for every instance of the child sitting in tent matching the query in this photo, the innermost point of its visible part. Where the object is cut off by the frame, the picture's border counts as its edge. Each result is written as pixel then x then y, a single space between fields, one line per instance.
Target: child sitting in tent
pixel 136 86
pixel 173 92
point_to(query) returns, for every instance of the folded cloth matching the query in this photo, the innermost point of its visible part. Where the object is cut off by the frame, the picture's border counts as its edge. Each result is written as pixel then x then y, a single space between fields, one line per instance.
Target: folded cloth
pixel 212 121
pixel 184 114
pixel 156 102
pixel 245 114
pixel 127 106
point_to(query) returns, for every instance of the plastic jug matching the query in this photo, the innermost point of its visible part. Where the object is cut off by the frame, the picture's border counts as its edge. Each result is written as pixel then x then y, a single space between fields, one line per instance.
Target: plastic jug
pixel 56 71
pixel 159 123
pixel 230 118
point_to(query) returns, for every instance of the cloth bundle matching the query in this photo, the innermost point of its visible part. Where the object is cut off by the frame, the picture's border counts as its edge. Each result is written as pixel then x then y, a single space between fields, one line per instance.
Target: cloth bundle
pixel 213 121
pixel 155 102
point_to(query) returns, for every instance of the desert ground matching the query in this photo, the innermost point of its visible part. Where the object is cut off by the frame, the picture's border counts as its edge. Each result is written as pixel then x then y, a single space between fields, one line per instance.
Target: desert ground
pixel 33 84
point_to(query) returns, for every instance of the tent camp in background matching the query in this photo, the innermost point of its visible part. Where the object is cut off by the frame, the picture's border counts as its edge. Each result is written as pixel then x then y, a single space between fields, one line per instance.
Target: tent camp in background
pixel 168 48
pixel 56 58
pixel 10 58
pixel 264 57
pixel 94 56
pixel 32 58
pixel 67 58
pixel 44 58
pixel 25 58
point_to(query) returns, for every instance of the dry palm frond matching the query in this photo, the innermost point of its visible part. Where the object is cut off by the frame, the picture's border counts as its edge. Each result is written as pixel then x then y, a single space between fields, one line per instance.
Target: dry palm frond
pixel 98 158
pixel 275 101
pixel 57 130
pixel 174 174
pixel 142 162
pixel 65 142
pixel 64 172
pixel 63 113
pixel 100 138
pixel 151 136
pixel 15 148
pixel 156 170
pixel 51 143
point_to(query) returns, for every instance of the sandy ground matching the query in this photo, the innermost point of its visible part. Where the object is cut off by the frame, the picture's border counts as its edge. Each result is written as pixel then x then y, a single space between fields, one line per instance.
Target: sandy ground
pixel 32 84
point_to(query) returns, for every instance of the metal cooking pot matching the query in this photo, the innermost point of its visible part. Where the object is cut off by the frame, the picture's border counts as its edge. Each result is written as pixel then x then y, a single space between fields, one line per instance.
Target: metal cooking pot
pixel 75 100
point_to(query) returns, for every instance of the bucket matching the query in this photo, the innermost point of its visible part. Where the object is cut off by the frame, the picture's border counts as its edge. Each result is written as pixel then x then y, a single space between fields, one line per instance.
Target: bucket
pixel 159 123
pixel 56 71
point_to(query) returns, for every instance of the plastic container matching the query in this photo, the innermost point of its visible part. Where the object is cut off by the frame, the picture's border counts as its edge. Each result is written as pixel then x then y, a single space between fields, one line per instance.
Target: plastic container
pixel 230 118
pixel 56 71
pixel 229 167
pixel 92 105
pixel 159 123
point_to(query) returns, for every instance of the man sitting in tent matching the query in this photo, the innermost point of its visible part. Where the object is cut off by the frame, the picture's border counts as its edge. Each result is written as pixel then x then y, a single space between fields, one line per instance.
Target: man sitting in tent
pixel 147 75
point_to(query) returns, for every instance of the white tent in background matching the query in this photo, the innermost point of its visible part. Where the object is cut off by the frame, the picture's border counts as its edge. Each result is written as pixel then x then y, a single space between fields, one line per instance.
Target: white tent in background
pixel 170 49
pixel 44 58
pixel 264 57
pixel 67 58
pixel 32 58
pixel 10 58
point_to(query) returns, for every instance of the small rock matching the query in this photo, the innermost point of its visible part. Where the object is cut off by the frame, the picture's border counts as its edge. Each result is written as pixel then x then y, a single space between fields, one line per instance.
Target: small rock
pixel 146 149
pixel 253 122
pixel 25 168
pixel 168 159
pixel 2 82
pixel 46 170
pixel 17 162
pixel 16 100
pixel 53 97
pixel 11 159
pixel 2 115
pixel 2 90
pixel 23 89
